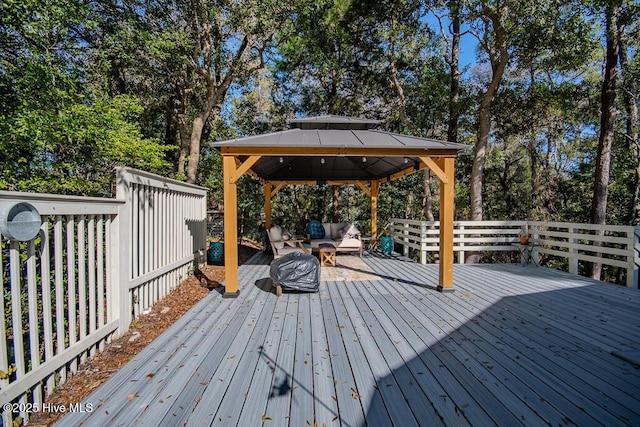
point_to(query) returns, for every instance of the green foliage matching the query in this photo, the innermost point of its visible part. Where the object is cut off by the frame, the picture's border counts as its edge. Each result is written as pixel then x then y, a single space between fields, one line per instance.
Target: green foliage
pixel 74 149
pixel 56 135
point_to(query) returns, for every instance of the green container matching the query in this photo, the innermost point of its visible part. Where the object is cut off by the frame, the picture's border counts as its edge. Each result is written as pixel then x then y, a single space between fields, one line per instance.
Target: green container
pixel 215 252
pixel 386 244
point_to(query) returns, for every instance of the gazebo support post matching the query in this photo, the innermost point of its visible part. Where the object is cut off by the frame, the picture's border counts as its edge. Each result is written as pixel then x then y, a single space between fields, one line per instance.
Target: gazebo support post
pixel 230 228
pixel 375 187
pixel 447 193
pixel 267 205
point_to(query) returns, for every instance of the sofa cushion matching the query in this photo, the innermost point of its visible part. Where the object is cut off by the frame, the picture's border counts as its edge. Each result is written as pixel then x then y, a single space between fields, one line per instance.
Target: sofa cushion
pixel 315 230
pixel 348 243
pixel 335 227
pixel 275 234
pixel 327 229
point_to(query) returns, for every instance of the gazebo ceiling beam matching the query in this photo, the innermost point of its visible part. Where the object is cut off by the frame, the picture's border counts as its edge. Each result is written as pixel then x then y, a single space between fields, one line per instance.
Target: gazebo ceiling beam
pixel 435 168
pixel 364 188
pixel 244 167
pixel 279 186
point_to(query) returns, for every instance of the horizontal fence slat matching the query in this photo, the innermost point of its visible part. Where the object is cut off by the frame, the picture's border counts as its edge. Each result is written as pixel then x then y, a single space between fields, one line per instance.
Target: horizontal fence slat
pixel 16 388
pixel 589 258
pixel 580 226
pixel 133 283
pixel 583 247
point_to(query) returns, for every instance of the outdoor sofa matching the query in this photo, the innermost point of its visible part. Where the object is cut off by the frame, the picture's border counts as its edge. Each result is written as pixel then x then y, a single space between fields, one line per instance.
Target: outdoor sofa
pixel 344 236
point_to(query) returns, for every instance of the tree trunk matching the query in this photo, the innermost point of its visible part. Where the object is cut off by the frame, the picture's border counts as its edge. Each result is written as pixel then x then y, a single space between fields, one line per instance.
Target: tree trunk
pixel 194 149
pixel 608 115
pixel 427 199
pixel 498 56
pixel 632 124
pixel 533 152
pixel 454 66
pixel 334 203
pixel 184 147
pixel 183 130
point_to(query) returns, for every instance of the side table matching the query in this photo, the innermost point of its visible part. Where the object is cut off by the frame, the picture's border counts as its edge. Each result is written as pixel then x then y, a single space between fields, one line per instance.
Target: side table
pixel 526 252
pixel 327 254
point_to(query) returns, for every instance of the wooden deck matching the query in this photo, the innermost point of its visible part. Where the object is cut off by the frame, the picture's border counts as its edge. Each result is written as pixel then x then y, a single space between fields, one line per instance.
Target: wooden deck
pixel 379 346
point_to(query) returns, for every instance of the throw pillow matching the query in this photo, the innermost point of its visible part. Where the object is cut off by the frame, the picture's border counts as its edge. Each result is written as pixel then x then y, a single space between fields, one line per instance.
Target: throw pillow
pixel 335 229
pixel 349 231
pixel 276 233
pixel 315 230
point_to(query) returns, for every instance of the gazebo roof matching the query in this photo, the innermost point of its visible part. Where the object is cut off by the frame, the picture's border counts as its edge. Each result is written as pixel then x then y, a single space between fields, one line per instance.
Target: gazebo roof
pixel 335 148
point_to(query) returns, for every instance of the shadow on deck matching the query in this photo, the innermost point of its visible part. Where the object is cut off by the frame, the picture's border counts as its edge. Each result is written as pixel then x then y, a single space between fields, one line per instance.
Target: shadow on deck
pixel 378 346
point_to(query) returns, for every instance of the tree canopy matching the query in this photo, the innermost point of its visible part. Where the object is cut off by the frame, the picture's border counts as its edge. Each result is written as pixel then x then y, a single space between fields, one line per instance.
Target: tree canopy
pixel 91 84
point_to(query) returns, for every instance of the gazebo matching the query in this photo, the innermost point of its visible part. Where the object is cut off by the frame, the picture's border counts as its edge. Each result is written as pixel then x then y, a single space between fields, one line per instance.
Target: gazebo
pixel 335 150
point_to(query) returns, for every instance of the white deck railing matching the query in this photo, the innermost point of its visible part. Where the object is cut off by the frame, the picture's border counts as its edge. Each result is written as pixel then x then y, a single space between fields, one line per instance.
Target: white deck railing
pixel 620 245
pixel 96 264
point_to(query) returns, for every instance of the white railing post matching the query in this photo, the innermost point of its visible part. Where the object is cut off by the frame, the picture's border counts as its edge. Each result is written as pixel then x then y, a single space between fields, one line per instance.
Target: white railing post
pixel 120 246
pixel 423 242
pixel 633 273
pixel 461 243
pixel 405 245
pixel 534 232
pixel 573 260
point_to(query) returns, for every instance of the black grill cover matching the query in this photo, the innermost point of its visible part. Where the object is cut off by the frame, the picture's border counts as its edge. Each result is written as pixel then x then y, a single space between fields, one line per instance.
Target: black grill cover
pixel 296 271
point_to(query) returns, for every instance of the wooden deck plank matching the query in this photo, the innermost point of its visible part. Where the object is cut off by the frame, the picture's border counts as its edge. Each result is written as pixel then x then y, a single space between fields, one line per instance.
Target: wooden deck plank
pixel 158 361
pixel 302 398
pixel 403 334
pixel 512 345
pixel 365 388
pixel 350 409
pixel 187 381
pixel 463 370
pixel 324 390
pixel 505 385
pixel 217 374
pixel 518 322
pixel 182 379
pixel 572 321
pixel 136 383
pixel 541 351
pixel 507 364
pixel 279 403
pixel 249 364
pixel 254 411
pixel 581 296
pixel 397 406
pixel 388 341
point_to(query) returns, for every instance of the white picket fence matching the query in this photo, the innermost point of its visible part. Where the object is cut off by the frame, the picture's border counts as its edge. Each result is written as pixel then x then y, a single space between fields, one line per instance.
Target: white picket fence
pixel 95 265
pixel 620 245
